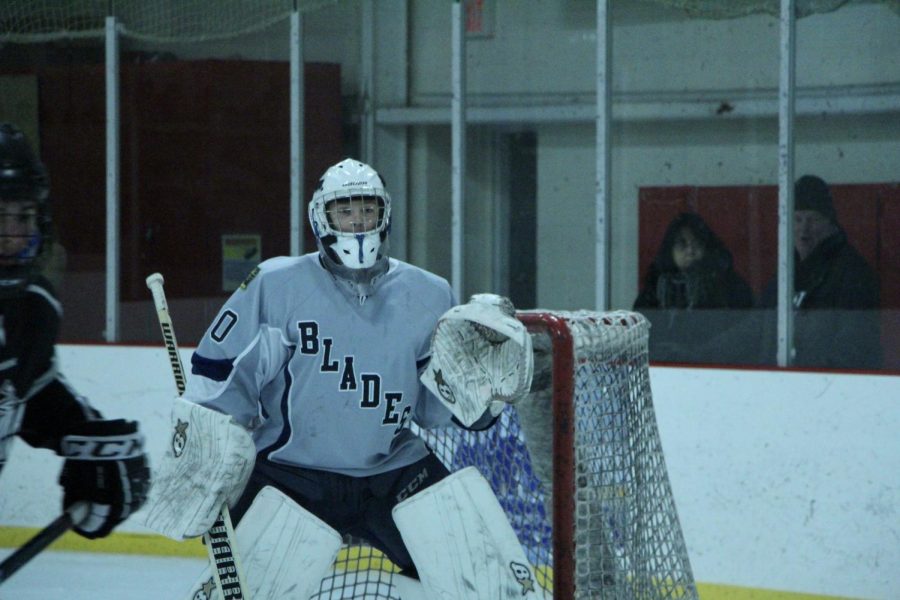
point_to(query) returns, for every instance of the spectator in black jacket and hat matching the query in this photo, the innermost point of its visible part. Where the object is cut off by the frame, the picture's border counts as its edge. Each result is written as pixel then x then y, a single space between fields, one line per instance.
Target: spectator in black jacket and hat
pixel 836 295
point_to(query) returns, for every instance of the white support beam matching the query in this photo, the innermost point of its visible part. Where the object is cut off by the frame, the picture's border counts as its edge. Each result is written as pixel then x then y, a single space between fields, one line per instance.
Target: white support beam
pixel 603 122
pixel 458 143
pixel 725 105
pixel 391 37
pixel 786 101
pixel 298 153
pixel 111 331
pixel 367 81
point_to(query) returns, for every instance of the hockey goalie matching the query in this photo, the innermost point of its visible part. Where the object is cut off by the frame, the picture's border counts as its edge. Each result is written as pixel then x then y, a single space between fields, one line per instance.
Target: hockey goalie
pixel 297 414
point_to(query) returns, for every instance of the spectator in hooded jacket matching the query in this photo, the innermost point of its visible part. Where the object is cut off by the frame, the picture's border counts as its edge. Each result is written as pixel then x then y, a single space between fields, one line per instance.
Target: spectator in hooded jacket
pixel 836 292
pixel 688 291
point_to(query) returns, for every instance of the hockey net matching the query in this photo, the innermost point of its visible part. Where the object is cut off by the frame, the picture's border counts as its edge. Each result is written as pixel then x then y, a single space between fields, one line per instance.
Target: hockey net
pixel 578 467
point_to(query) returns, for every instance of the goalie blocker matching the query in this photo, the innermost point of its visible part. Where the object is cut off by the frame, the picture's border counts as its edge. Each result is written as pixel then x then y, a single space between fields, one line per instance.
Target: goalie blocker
pixel 206 464
pixel 481 358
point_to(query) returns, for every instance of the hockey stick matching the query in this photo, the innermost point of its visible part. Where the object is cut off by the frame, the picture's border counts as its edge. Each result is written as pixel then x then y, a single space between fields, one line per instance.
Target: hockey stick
pixel 220 539
pixel 43 538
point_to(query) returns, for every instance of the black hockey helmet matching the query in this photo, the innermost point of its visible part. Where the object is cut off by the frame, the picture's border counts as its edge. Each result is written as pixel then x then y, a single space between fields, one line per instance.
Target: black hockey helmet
pixel 24 208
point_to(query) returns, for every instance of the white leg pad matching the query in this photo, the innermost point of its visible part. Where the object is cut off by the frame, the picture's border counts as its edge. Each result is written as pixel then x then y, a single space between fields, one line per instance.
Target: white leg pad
pixel 285 550
pixel 409 588
pixel 461 542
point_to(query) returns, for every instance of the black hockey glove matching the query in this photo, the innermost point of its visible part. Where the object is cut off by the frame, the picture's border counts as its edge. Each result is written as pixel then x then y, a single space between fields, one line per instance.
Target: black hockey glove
pixel 106 467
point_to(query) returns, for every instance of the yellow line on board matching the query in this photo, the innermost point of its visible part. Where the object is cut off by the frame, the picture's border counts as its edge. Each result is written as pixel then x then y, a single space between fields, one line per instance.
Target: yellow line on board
pixel 157 545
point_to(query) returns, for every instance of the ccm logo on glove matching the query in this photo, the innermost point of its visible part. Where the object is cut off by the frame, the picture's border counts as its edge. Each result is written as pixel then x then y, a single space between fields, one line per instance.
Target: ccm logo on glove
pixel 109 448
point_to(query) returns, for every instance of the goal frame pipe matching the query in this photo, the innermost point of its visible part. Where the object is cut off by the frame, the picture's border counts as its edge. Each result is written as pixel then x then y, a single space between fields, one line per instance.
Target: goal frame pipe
pixel 563 389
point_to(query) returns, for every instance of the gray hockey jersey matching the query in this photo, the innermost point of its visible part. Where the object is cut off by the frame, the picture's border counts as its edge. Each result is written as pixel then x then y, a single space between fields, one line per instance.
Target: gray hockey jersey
pixel 322 380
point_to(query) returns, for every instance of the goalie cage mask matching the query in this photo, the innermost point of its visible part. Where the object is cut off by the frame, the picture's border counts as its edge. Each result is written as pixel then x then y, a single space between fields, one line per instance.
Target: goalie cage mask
pixel 24 210
pixel 350 214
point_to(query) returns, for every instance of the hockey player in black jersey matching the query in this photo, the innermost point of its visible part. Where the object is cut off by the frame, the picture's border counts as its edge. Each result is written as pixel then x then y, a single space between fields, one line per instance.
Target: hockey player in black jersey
pixel 105 464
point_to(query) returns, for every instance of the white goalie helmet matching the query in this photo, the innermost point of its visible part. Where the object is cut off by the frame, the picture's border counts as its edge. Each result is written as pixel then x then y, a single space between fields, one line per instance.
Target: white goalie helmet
pixel 350 214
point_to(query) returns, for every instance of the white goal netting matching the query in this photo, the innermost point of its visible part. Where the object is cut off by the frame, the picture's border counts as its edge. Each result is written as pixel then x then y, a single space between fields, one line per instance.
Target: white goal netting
pixel 578 467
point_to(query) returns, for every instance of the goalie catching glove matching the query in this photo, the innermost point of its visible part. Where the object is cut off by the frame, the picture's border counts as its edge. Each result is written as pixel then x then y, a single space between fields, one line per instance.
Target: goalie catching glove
pixel 206 464
pixel 481 358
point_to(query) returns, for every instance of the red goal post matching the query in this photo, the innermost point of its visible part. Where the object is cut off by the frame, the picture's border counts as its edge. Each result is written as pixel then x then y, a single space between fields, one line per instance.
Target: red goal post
pixel 563 472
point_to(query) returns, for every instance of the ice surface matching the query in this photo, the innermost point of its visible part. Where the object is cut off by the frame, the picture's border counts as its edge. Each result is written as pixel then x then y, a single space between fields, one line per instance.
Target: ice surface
pixel 100 576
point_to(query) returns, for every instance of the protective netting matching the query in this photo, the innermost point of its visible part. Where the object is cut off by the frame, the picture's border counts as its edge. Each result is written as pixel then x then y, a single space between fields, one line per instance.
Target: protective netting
pixel 625 529
pixel 717 9
pixel 26 21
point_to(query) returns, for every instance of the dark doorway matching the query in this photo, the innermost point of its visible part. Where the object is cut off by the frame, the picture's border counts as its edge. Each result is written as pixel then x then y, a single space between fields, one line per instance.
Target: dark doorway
pixel 522 186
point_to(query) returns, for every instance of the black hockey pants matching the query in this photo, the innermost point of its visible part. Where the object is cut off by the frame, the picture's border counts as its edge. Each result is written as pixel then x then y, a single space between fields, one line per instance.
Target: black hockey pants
pixel 355 506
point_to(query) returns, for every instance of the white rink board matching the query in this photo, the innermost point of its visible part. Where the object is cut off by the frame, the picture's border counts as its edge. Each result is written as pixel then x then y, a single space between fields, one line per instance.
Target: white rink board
pixel 786 481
